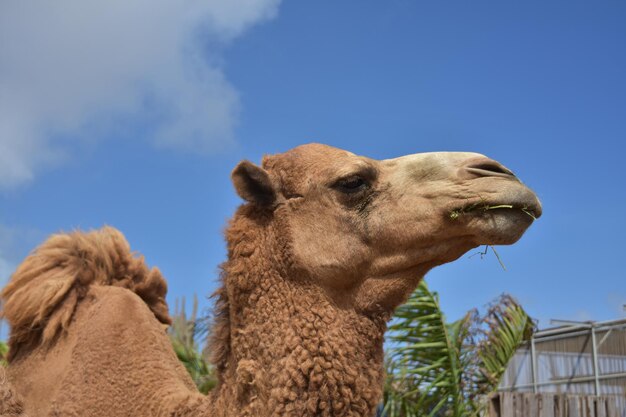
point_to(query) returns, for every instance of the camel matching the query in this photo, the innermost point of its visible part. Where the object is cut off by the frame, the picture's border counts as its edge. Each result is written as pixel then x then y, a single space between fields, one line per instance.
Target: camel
pixel 10 402
pixel 325 246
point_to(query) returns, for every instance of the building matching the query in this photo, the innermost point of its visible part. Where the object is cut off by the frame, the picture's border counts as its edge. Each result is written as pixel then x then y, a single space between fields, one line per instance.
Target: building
pixel 575 359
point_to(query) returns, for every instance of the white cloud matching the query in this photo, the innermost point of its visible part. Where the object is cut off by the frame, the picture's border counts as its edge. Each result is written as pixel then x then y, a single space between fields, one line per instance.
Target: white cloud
pixel 69 65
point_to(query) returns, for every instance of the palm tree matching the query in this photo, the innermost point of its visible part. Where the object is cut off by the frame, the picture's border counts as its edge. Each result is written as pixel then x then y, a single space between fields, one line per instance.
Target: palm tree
pixel 184 333
pixel 436 368
pixel 4 350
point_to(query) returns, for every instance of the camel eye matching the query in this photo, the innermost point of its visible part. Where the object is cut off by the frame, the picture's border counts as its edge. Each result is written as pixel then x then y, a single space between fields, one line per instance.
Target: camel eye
pixel 351 185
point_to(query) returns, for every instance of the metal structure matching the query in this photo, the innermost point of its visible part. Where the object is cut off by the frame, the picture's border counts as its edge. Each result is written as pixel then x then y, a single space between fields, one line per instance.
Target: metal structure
pixel 576 358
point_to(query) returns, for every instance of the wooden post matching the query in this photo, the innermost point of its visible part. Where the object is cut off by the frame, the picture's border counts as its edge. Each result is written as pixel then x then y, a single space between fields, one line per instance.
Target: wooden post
pixel 518 404
pixel 506 404
pixel 573 407
pixel 494 405
pixel 533 405
pixel 601 407
pixel 590 406
pixel 560 407
pixel 547 406
pixel 611 409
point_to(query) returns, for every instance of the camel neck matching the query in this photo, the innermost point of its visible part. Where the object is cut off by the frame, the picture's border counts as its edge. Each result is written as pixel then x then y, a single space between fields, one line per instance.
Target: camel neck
pixel 283 347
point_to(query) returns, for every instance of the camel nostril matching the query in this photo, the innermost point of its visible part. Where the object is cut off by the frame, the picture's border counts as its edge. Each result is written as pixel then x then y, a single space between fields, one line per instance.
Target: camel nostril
pixel 489 168
pixel 492 167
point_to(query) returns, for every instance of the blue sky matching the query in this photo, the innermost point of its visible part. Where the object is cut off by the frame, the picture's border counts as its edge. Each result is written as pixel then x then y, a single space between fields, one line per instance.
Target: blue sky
pixel 134 116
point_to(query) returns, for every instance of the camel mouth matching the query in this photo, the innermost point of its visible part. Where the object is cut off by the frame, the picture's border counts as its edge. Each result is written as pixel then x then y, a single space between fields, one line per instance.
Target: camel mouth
pixel 531 208
pixel 497 222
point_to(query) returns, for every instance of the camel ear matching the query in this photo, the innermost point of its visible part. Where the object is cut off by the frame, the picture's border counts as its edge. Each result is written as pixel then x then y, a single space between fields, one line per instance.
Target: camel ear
pixel 253 184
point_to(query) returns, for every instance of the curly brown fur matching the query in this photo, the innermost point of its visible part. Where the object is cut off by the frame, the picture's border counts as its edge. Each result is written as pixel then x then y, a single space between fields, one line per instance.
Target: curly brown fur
pixel 10 403
pixel 280 345
pixel 219 343
pixel 43 293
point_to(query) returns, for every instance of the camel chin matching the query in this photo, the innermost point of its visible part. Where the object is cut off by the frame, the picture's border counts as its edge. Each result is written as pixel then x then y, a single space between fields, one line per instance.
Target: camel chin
pixel 501 226
pixel 503 221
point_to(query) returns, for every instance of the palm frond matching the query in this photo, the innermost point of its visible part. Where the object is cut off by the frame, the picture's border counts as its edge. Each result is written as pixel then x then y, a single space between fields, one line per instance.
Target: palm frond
pixel 184 332
pixel 435 368
pixel 427 353
pixel 4 350
pixel 508 326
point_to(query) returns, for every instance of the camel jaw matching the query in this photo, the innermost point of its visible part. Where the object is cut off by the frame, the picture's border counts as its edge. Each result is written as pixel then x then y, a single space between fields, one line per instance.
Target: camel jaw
pixel 498 221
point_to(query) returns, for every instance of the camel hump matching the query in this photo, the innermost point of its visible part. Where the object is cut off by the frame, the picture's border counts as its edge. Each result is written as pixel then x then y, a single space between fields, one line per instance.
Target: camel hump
pixel 43 293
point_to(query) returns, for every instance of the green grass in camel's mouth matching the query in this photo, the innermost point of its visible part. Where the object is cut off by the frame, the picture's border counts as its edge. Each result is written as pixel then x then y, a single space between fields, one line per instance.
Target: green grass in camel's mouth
pixel 455 214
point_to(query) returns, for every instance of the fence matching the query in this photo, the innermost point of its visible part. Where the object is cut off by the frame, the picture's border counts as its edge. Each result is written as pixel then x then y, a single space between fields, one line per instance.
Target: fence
pixel 584 360
pixel 515 404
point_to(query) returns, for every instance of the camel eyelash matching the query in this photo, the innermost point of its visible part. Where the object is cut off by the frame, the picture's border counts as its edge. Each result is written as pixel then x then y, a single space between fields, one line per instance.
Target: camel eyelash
pixel 360 180
pixel 352 184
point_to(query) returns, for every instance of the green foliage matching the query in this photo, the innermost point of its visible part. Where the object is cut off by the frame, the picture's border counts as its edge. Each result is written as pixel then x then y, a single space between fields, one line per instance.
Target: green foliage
pixel 508 326
pixel 4 350
pixel 183 333
pixel 436 368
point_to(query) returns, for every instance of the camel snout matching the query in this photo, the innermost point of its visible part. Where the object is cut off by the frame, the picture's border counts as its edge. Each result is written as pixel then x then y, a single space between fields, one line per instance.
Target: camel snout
pixel 517 194
pixel 485 167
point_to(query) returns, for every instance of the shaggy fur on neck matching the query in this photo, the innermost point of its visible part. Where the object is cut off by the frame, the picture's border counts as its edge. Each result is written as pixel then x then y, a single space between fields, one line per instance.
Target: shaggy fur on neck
pixel 281 347
pixel 43 293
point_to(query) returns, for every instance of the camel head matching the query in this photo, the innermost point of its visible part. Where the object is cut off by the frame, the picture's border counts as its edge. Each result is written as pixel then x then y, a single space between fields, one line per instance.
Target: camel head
pixel 366 230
